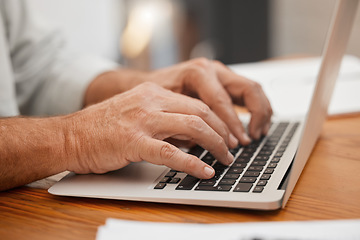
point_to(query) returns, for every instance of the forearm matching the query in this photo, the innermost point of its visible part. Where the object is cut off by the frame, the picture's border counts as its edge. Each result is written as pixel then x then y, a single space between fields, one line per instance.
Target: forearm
pixel 31 149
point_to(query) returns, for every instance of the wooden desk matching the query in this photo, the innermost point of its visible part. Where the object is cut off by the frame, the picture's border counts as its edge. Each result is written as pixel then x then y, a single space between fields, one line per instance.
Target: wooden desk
pixel 329 188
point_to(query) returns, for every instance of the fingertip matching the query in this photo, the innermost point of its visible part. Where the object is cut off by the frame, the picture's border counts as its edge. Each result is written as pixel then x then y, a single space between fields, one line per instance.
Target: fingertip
pixel 266 129
pixel 257 134
pixel 245 139
pixel 209 172
pixel 230 158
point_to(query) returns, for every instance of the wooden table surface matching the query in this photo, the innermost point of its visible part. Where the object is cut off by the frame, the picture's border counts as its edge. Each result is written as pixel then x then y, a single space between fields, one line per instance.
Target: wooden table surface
pixel 329 188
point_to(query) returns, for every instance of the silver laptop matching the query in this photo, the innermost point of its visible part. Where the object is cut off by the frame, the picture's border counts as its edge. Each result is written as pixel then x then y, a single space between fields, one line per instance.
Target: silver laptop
pixel 263 174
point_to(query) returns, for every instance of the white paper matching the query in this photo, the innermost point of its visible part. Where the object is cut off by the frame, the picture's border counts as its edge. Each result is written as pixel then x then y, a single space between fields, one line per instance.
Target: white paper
pixel 300 230
pixel 289 84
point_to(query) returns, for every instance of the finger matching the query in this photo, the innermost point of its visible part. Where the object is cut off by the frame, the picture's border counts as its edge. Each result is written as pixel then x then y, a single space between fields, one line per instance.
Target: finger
pixel 266 128
pixel 162 153
pixel 191 127
pixel 257 125
pixel 179 103
pixel 251 95
pixel 203 80
pixel 260 109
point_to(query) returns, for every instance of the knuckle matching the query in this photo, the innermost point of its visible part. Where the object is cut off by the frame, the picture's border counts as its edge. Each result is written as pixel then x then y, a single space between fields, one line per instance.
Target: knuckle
pixel 270 111
pixel 217 62
pixel 222 99
pixel 254 85
pixel 219 146
pixel 167 151
pixel 149 88
pixel 195 123
pixel 204 110
pixel 149 92
pixel 260 112
pixel 189 164
pixel 221 143
pixel 148 85
pixel 143 89
pixel 142 114
pixel 193 72
pixel 201 62
pixel 225 131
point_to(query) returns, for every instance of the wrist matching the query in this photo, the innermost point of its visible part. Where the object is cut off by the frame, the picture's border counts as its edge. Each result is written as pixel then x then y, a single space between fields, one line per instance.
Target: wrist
pixel 73 141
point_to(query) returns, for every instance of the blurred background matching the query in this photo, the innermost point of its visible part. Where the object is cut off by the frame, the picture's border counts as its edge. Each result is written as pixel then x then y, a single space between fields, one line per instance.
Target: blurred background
pixel 149 34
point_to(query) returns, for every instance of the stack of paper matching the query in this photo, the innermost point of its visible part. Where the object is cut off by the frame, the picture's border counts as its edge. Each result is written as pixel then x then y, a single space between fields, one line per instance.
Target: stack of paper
pixel 289 84
pixel 309 230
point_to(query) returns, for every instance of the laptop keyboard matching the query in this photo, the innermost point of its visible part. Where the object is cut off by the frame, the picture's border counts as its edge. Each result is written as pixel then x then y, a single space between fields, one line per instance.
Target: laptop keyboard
pixel 250 172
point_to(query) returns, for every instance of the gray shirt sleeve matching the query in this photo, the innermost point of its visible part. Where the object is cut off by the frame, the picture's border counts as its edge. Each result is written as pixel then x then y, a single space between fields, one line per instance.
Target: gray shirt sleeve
pixel 48 79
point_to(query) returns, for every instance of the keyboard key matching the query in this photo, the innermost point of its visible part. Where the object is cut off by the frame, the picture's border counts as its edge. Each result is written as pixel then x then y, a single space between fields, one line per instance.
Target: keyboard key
pixel 271 144
pixel 170 174
pixel 187 183
pixel 227 182
pixel 165 180
pixel 174 180
pixel 272 165
pixel 265 177
pixel 264 153
pixel 242 160
pixel 243 187
pixel 247 155
pixel 235 170
pixel 196 151
pixel 160 186
pixel 278 154
pixel 269 171
pixel 234 151
pixel 284 145
pixel 224 188
pixel 258 189
pixel 247 179
pixel 251 174
pixel 231 176
pixel 249 150
pixel 268 148
pixel 258 163
pixel 216 176
pixel 281 149
pixel 262 183
pixel 239 165
pixel 256 168
pixel 208 159
pixel 207 182
pixel 275 160
pixel 261 158
pixel 219 166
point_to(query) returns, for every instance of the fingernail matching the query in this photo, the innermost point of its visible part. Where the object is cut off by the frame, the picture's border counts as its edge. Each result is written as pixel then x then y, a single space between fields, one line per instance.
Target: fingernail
pixel 209 172
pixel 230 158
pixel 246 138
pixel 233 141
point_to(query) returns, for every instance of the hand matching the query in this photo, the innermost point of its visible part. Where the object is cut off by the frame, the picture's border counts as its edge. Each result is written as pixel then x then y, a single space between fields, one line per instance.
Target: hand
pixel 130 127
pixel 219 87
pixel 211 81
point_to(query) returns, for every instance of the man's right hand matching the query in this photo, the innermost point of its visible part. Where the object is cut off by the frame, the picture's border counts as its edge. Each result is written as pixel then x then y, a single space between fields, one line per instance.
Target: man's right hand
pixel 132 126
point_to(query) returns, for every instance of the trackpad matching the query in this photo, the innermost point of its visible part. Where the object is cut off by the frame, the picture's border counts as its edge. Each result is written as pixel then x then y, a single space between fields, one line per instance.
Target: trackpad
pixel 134 176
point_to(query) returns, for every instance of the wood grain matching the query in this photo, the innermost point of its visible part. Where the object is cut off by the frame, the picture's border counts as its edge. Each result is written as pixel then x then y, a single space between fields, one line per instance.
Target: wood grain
pixel 328 189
